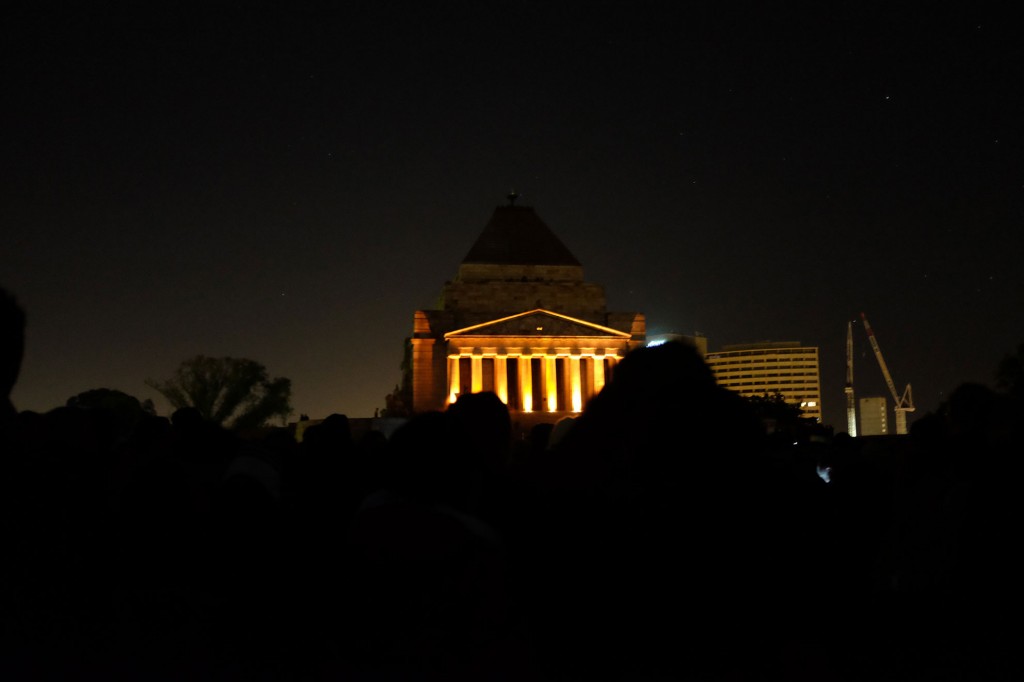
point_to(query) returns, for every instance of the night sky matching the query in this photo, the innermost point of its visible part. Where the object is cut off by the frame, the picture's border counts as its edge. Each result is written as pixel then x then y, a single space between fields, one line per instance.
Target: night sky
pixel 291 183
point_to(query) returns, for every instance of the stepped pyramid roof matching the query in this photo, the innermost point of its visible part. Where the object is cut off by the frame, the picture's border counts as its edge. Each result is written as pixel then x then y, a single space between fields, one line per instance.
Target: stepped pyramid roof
pixel 515 235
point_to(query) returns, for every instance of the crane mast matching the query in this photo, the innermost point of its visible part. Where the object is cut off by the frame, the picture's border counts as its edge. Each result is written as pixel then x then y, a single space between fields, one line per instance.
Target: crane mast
pixel 851 410
pixel 902 404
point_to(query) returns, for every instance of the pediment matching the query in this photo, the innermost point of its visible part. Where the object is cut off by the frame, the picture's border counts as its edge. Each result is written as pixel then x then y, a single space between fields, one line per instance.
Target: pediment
pixel 539 323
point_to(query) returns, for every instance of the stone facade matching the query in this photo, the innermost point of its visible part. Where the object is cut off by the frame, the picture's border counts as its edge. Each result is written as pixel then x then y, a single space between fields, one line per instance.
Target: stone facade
pixel 520 320
pixel 582 299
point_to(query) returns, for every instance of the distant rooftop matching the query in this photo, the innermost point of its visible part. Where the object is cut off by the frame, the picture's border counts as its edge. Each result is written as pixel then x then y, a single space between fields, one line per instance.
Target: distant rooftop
pixel 515 235
pixel 760 345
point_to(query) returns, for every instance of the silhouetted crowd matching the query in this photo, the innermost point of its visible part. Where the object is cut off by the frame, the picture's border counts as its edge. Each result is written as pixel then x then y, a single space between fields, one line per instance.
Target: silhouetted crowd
pixel 662 534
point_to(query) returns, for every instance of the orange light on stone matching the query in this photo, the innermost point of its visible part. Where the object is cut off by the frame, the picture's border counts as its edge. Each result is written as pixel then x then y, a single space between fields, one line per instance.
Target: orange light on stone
pixel 477 378
pixel 551 384
pixel 577 389
pixel 526 383
pixel 501 378
pixel 598 374
pixel 453 379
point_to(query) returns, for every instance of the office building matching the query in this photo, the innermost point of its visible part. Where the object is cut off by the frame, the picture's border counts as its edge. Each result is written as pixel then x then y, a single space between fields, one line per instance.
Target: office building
pixel 770 368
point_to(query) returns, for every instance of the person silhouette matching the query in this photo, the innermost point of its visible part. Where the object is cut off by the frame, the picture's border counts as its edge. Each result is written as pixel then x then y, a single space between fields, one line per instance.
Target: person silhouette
pixel 12 351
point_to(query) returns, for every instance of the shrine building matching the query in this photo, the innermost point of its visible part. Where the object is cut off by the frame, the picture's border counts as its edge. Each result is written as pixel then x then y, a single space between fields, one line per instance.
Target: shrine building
pixel 519 320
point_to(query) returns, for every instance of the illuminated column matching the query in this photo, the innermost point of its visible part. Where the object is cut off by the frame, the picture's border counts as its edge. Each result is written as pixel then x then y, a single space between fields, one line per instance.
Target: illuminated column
pixel 453 378
pixel 612 361
pixel 574 381
pixel 598 373
pixel 501 378
pixel 550 383
pixel 526 382
pixel 477 373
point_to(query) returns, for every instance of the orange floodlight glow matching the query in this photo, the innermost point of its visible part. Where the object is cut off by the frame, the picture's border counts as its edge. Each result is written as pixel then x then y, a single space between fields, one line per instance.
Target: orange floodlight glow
pixel 551 384
pixel 577 389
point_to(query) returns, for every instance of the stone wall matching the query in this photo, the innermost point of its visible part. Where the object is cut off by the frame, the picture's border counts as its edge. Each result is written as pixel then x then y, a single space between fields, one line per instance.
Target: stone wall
pixel 584 300
pixel 477 272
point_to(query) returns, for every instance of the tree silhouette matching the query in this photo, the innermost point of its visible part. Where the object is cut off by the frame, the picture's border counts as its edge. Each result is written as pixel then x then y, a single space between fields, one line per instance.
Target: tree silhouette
pixel 780 416
pixel 233 392
pixel 111 399
pixel 1010 373
pixel 398 403
pixel 125 411
pixel 775 406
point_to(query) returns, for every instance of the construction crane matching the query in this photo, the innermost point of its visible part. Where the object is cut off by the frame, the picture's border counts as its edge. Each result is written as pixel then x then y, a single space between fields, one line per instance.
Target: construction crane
pixel 851 410
pixel 902 404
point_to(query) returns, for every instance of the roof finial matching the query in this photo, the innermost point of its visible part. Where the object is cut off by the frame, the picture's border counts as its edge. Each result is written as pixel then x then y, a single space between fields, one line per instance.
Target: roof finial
pixel 512 196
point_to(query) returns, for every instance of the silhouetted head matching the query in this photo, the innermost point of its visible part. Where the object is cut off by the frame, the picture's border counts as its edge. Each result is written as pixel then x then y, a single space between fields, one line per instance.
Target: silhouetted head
pixel 187 418
pixel 663 411
pixel 540 436
pixel 332 435
pixel 559 430
pixel 428 461
pixel 970 408
pixel 668 374
pixel 337 425
pixel 12 346
pixel 485 423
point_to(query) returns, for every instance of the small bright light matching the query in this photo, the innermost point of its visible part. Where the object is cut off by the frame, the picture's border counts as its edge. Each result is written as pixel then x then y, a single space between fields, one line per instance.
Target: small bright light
pixel 655 342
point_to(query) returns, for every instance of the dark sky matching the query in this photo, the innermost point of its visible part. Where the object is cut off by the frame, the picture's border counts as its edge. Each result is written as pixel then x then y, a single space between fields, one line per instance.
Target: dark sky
pixel 291 183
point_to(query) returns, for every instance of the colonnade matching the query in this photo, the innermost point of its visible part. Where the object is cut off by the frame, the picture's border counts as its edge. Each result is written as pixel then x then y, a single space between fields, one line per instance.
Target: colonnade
pixel 532 379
